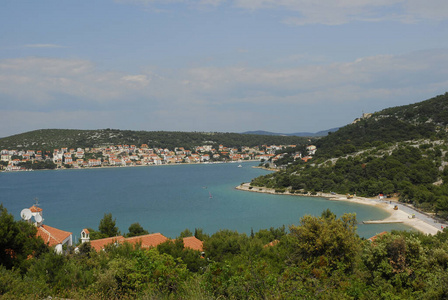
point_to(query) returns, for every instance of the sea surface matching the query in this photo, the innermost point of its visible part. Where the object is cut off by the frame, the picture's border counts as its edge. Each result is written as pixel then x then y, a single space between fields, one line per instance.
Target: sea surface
pixel 168 199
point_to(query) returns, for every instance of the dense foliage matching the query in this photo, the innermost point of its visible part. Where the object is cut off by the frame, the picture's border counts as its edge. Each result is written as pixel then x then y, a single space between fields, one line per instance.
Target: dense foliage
pixel 407 171
pixel 50 139
pixel 321 258
pixel 423 120
pixel 400 151
pixel 38 165
pixel 17 241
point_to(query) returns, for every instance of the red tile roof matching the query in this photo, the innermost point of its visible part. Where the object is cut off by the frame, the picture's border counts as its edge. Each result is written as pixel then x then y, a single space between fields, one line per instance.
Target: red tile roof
pixel 192 243
pixel 52 236
pixel 373 238
pixel 34 209
pixel 101 243
pixel 147 241
pixel 273 243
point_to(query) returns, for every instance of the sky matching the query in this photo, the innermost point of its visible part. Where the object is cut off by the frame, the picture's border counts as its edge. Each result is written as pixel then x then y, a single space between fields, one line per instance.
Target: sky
pixel 215 65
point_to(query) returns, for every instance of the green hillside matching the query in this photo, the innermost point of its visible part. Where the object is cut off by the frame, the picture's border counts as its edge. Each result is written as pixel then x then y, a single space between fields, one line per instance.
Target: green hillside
pixel 49 139
pixel 399 151
pixel 426 119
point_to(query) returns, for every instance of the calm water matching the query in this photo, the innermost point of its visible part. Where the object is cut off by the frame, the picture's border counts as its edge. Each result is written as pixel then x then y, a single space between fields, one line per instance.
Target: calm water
pixel 166 199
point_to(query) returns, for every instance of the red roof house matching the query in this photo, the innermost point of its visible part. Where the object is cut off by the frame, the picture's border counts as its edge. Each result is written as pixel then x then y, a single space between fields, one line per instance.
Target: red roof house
pixel 146 241
pixel 53 236
pixel 101 243
pixel 193 243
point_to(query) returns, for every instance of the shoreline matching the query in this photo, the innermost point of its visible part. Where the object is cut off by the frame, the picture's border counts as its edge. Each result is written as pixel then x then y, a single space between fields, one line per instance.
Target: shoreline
pixel 403 214
pixel 136 166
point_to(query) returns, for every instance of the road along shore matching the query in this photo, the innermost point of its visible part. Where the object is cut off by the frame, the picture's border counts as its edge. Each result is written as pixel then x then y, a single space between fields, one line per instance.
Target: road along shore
pixel 403 214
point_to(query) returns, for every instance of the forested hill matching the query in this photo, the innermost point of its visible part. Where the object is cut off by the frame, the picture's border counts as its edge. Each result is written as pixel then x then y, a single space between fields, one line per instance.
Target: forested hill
pixel 426 119
pixel 50 139
pixel 399 151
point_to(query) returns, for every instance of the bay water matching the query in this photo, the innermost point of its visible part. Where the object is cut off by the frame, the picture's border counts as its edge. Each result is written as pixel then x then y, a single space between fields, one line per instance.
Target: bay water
pixel 168 199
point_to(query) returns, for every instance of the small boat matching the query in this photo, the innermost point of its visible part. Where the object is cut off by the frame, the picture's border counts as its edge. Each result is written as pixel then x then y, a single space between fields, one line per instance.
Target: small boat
pixel 240 166
pixel 210 195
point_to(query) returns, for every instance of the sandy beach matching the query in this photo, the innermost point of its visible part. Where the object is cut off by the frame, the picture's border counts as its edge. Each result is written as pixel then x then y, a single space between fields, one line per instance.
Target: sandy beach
pixel 403 214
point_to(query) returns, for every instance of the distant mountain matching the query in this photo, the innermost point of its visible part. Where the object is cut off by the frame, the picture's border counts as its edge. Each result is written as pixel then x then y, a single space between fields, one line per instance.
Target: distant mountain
pixel 303 134
pixel 261 132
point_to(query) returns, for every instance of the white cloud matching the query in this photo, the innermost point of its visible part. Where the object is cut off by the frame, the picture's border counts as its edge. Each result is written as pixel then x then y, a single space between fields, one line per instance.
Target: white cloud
pixel 429 10
pixel 136 80
pixel 33 120
pixel 42 90
pixel 43 46
pixel 359 80
pixel 335 12
pixel 329 12
pixel 47 80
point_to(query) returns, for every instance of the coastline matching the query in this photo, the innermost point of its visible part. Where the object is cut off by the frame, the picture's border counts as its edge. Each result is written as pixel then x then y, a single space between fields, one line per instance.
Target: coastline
pixel 404 214
pixel 136 166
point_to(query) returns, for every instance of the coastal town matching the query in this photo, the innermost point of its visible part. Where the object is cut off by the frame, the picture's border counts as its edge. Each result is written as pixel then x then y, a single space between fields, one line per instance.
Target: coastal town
pixel 131 155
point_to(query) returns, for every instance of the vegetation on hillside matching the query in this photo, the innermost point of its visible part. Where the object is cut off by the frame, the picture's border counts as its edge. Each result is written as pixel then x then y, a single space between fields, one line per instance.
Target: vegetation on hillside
pixel 424 120
pixel 50 139
pixel 399 151
pixel 321 258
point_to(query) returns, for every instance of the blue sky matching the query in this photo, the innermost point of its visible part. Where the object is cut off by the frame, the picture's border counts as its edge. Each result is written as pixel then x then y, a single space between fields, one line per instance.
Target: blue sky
pixel 216 65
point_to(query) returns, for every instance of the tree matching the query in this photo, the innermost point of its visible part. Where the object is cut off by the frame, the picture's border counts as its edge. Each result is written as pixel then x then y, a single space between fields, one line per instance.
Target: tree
pixel 224 244
pixel 442 206
pixel 107 226
pixel 135 230
pixel 186 233
pixel 199 234
pixel 18 241
pixel 325 241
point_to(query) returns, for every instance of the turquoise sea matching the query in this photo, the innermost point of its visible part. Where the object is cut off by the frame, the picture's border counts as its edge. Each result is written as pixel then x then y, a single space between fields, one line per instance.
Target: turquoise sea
pixel 167 199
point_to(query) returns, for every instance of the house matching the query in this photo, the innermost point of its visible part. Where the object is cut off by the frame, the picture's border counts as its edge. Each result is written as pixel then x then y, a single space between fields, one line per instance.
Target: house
pixel 145 241
pixel 171 160
pixel 148 240
pixel 53 237
pixel 311 149
pixel 94 162
pixel 5 156
pixel 102 243
pixel 306 158
pixel 193 242
pixel 67 158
